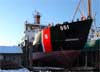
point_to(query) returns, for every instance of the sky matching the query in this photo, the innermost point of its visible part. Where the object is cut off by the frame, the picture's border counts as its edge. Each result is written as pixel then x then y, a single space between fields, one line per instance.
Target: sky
pixel 14 13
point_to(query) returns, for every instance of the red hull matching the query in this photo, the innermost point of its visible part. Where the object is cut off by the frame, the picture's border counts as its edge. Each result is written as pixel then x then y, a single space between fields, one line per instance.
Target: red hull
pixel 58 58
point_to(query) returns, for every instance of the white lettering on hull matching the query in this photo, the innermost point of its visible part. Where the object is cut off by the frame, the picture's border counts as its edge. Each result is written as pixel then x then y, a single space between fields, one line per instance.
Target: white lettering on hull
pixel 64 27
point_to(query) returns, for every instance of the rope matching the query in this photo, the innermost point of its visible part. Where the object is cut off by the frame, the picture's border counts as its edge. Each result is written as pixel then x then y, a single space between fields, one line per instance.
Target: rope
pixel 77 10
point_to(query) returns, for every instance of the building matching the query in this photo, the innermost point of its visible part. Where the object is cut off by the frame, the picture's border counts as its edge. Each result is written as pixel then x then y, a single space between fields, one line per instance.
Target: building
pixel 10 56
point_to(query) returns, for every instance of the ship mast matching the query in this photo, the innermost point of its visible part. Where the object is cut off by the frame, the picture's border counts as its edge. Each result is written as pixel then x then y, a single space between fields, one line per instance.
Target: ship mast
pixel 89 9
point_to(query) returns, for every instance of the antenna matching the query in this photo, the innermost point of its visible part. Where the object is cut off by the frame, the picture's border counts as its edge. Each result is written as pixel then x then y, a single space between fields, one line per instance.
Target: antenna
pixel 37 17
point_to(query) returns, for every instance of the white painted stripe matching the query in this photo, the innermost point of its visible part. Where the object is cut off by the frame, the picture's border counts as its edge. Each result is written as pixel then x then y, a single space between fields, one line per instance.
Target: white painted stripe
pixel 75 39
pixel 42 41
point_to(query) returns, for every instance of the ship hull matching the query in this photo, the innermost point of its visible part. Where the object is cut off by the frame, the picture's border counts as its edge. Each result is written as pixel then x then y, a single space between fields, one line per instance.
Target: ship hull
pixel 66 36
pixel 55 59
pixel 59 45
pixel 73 37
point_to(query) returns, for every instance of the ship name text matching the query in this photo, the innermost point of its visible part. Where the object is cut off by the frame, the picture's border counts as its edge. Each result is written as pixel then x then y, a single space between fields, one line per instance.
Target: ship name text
pixel 64 27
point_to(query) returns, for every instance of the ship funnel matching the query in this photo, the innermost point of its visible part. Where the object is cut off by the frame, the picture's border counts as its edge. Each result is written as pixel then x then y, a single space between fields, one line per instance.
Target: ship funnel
pixel 37 18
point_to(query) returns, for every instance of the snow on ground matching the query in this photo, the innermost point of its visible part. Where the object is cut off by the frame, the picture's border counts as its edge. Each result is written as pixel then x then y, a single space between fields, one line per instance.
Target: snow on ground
pixel 19 70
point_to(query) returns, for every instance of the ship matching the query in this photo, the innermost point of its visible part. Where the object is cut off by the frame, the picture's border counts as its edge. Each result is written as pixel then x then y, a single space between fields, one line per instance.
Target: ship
pixel 61 42
pixel 59 45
